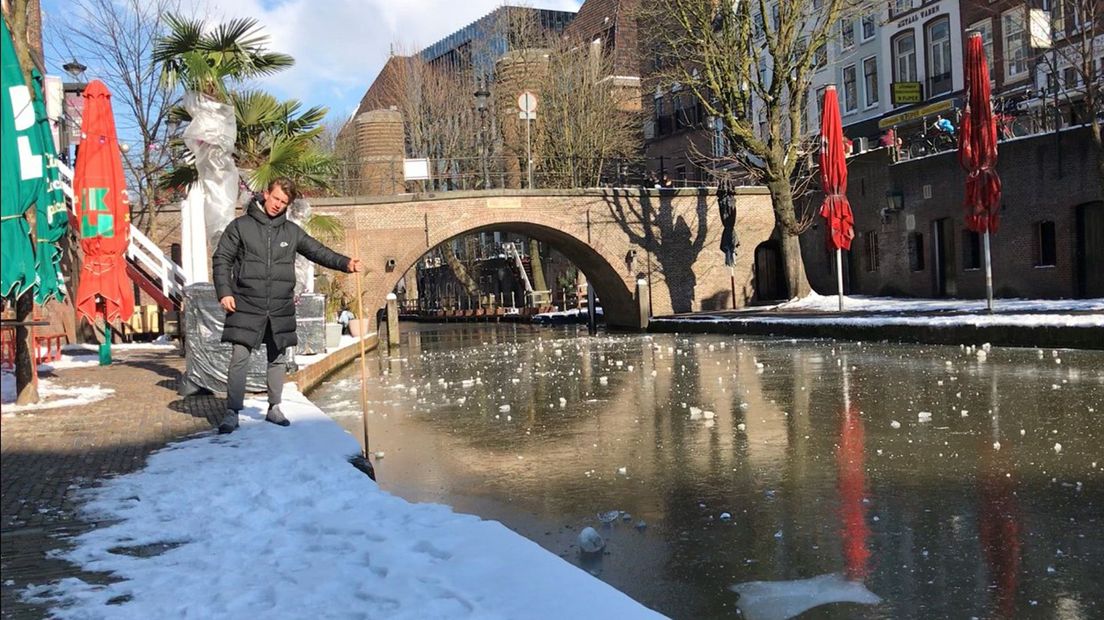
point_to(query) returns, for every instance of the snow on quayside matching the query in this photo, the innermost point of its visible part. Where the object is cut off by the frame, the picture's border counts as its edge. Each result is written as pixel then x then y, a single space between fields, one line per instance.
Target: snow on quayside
pixel 273 522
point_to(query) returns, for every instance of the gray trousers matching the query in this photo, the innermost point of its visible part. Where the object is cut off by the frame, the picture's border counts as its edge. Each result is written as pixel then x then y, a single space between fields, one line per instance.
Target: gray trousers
pixel 239 367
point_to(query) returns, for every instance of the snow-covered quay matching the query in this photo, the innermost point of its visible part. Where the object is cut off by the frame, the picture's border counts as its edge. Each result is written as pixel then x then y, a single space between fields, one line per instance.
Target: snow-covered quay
pixel 274 522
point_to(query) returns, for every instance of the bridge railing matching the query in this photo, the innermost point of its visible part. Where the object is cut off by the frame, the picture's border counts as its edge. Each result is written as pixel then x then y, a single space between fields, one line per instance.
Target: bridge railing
pixel 381 175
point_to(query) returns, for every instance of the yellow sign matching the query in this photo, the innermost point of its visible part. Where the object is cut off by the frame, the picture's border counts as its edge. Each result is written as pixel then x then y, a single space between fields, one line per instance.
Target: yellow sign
pixel 911 115
pixel 906 92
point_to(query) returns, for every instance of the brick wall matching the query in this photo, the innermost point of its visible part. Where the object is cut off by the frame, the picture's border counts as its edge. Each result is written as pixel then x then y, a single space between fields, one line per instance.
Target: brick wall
pixel 669 238
pixel 1042 181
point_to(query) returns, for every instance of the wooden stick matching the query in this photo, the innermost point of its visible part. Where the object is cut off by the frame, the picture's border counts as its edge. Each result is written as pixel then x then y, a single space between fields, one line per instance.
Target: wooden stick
pixel 363 366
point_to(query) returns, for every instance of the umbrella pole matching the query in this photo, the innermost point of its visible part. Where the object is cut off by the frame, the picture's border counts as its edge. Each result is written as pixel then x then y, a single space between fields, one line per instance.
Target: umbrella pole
pixel 839 276
pixel 363 367
pixel 732 283
pixel 988 273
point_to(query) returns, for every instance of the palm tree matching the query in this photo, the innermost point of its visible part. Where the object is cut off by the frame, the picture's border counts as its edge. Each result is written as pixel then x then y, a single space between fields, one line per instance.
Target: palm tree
pixel 204 61
pixel 273 139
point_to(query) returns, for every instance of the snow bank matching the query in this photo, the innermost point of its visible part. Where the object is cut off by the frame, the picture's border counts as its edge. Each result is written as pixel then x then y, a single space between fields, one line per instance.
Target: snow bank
pixel 862 303
pixel 50 394
pixel 273 522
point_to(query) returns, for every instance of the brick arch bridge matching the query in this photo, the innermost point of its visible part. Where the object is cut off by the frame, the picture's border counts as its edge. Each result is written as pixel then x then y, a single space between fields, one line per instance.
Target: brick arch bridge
pixel 670 238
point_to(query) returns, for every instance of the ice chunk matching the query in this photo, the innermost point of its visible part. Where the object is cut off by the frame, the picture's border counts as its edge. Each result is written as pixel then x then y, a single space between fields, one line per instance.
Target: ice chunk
pixel 603 380
pixel 741 427
pixel 895 424
pixel 726 516
pixel 609 516
pixel 624 471
pixel 1058 448
pixel 504 408
pixel 590 541
pixel 708 415
pixel 924 416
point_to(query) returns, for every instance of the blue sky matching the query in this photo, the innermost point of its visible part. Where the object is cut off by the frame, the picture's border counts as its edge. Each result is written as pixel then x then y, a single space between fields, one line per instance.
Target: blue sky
pixel 339 45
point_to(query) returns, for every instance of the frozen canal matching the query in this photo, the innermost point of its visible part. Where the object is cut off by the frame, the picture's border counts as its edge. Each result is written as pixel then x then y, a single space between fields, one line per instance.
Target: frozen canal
pixel 906 481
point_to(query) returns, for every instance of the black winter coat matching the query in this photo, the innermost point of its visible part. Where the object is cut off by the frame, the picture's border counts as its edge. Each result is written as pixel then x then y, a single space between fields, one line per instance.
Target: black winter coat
pixel 255 264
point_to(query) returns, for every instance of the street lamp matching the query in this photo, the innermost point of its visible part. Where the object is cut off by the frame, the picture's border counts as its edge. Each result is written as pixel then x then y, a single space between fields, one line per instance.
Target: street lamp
pixel 482 98
pixel 75 69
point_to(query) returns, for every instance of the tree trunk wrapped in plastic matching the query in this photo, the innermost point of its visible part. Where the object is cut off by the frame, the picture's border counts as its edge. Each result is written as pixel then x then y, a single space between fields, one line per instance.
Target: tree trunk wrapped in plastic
pixel 210 137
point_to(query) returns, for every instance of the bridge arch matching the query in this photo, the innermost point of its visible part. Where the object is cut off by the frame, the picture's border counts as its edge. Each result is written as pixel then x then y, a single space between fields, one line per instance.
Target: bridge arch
pixel 668 237
pixel 618 300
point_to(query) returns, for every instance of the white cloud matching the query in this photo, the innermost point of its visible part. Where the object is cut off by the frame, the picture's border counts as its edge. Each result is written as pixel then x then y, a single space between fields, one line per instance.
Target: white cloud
pixel 340 45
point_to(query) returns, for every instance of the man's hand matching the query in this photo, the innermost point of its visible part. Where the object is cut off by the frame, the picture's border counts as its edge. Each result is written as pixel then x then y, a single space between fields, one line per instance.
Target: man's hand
pixel 228 303
pixel 354 265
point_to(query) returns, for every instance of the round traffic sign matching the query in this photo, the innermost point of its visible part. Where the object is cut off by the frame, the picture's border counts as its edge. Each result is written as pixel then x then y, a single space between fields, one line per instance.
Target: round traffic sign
pixel 527 102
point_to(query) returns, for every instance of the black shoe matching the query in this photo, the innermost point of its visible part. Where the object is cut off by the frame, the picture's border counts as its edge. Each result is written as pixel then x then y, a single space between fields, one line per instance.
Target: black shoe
pixel 229 422
pixel 276 416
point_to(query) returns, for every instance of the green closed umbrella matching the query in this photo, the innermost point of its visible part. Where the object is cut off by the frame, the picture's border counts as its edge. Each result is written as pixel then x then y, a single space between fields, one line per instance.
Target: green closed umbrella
pixel 22 168
pixel 52 216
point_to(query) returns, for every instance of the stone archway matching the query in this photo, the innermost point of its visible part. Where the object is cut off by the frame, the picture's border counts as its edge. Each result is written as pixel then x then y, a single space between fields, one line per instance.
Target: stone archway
pixel 670 238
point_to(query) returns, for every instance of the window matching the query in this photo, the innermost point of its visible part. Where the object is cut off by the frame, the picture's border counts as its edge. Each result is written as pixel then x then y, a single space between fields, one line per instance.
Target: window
pixel 939 56
pixel 1069 77
pixel 916 251
pixel 869 26
pixel 820 57
pixel 847 33
pixel 820 103
pixel 1045 249
pixel 720 142
pixel 901 6
pixel 870 257
pixel 904 57
pixel 870 81
pixel 1015 44
pixel 971 250
pixel 763 124
pixel 776 18
pixel 1051 82
pixel 759 27
pixel 850 90
pixel 985 27
pixel 1058 18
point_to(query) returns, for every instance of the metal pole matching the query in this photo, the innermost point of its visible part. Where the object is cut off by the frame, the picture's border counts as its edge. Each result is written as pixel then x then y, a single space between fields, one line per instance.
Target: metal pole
pixel 529 148
pixel 839 276
pixel 483 150
pixel 363 365
pixel 988 273
pixel 592 315
pixel 732 283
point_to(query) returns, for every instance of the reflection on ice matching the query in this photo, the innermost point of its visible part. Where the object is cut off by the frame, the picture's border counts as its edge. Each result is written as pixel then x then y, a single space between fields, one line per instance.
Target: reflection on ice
pixel 779 600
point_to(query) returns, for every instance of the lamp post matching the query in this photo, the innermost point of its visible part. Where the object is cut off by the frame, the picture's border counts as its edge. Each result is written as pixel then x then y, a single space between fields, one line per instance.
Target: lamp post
pixel 482 97
pixel 76 71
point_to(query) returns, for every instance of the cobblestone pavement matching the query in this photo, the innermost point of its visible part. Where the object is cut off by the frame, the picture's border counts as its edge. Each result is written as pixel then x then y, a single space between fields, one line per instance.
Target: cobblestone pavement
pixel 48 454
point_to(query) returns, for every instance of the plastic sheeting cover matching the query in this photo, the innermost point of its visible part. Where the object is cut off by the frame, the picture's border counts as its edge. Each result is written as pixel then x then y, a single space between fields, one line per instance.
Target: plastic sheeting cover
pixel 207 358
pixel 210 137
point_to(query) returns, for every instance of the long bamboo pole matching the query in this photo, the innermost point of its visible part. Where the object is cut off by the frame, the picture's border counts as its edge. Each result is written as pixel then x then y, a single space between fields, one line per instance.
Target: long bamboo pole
pixel 363 364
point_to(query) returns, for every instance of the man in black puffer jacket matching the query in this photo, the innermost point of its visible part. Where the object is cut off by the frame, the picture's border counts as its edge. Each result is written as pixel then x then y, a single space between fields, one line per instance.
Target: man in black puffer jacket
pixel 254 273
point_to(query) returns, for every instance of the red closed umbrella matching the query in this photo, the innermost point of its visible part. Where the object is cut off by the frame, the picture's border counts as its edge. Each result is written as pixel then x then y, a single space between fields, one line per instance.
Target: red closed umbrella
pixel 833 182
pixel 977 152
pixel 103 213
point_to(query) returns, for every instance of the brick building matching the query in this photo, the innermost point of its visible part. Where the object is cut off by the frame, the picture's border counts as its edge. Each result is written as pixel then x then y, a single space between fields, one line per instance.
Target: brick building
pixel 910 235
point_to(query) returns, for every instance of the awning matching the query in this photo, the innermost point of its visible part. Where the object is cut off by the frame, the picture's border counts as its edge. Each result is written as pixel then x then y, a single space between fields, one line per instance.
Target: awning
pixel 916 114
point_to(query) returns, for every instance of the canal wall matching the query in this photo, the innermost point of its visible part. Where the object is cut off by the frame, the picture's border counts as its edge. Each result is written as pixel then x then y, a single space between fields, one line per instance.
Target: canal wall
pixel 1039 336
pixel 309 377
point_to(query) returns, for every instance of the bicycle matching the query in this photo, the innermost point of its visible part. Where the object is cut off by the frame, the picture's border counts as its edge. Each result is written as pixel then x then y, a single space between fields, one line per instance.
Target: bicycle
pixel 931 140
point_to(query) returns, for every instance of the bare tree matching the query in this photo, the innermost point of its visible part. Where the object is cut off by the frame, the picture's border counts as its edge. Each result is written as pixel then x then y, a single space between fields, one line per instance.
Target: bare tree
pixel 1074 67
pixel 742 60
pixel 585 129
pixel 115 38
